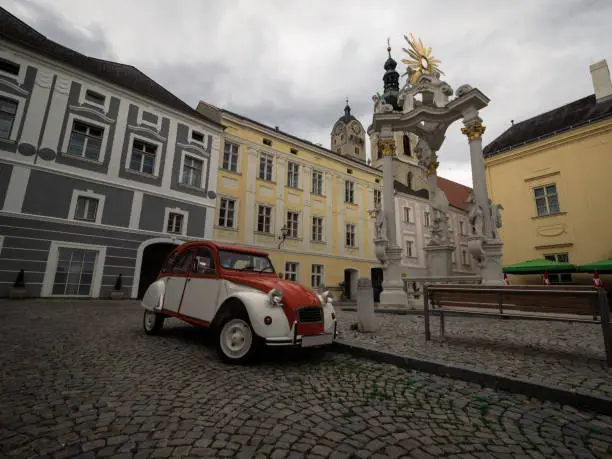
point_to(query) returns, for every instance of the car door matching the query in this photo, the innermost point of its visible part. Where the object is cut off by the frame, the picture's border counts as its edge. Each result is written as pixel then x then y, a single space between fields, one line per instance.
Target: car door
pixel 201 295
pixel 177 277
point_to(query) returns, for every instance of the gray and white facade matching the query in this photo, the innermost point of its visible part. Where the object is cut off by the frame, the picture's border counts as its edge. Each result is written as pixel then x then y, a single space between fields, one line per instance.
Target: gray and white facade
pixel 96 170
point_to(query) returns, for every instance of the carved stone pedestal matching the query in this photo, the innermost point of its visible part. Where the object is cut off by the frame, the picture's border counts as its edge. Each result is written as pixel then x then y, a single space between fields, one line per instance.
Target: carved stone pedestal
pixel 492 270
pixel 439 260
pixel 393 295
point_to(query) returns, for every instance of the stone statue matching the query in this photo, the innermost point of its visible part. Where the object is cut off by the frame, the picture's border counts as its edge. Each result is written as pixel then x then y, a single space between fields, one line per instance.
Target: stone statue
pixel 439 230
pixel 379 222
pixel 423 152
pixel 477 251
pixel 380 105
pixel 476 215
pixel 496 218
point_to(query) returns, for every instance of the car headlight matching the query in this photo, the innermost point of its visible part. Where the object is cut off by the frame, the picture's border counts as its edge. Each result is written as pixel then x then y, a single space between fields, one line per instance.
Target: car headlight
pixel 276 296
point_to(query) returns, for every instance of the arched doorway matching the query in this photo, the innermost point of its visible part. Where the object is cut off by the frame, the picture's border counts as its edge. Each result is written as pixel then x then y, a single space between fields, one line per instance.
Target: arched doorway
pixel 350 283
pixel 149 259
pixel 377 280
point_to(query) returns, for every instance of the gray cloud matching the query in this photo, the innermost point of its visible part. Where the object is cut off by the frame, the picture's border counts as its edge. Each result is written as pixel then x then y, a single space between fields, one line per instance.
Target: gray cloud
pixel 292 64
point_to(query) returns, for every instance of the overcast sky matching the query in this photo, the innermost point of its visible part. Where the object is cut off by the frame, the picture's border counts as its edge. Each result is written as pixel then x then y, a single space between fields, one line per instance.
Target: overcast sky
pixel 293 63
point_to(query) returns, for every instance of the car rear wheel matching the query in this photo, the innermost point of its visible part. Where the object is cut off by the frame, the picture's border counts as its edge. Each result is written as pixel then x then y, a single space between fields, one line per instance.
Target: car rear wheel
pixel 236 340
pixel 152 322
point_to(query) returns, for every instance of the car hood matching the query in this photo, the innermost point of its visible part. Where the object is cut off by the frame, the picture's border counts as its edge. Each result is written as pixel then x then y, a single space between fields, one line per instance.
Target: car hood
pixel 295 295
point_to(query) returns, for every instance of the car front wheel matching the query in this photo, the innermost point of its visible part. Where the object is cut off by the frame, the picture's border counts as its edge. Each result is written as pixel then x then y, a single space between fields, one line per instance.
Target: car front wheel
pixel 152 322
pixel 236 341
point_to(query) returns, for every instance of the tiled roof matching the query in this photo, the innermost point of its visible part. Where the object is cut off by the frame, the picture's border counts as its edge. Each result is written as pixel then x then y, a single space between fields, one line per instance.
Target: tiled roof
pixel 456 193
pixel 14 30
pixel 570 116
pixel 401 188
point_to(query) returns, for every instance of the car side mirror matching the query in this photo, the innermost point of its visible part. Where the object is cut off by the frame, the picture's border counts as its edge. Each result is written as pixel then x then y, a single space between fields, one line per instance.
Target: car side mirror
pixel 203 265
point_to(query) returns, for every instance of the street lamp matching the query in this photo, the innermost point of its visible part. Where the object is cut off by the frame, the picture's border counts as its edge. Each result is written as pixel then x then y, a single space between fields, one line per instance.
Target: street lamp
pixel 283 235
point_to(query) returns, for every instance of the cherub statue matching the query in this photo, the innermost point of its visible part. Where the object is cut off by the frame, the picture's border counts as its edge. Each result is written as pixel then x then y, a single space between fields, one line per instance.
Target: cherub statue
pixel 496 218
pixel 476 215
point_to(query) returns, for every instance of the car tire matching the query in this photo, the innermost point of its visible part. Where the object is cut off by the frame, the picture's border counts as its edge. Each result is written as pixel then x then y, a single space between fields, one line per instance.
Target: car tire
pixel 152 322
pixel 236 341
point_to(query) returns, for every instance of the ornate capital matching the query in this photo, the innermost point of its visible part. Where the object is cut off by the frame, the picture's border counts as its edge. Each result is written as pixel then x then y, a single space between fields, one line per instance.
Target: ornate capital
pixel 432 167
pixel 474 131
pixel 386 147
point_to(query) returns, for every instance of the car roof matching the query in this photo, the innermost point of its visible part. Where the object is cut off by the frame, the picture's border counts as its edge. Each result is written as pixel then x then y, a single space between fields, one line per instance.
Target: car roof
pixel 228 247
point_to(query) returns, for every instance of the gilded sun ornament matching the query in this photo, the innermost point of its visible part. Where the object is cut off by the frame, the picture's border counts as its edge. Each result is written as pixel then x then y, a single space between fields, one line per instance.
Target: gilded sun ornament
pixel 421 61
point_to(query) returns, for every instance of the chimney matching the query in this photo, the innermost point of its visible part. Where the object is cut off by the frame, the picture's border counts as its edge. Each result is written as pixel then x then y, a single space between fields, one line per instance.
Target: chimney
pixel 600 73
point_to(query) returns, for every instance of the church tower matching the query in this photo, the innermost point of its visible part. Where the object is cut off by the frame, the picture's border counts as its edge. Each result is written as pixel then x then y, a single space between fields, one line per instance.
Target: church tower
pixel 348 136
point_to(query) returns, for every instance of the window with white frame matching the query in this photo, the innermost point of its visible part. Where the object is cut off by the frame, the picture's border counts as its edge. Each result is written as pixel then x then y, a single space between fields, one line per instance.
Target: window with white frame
pixel 547 201
pixel 464 257
pixel 227 210
pixel 143 157
pixel 197 136
pixel 292 269
pixel 317 182
pixel 175 223
pixel 74 272
pixel 317 229
pixel 293 175
pixel 350 235
pixel 86 208
pixel 410 249
pixel 8 113
pixel 407 214
pixel 461 228
pixel 85 141
pixel 349 192
pixel 427 219
pixel 316 275
pixel 377 197
pixel 266 162
pixel 9 67
pixel 292 224
pixel 192 171
pixel 453 257
pixel 230 157
pixel 563 277
pixel 264 219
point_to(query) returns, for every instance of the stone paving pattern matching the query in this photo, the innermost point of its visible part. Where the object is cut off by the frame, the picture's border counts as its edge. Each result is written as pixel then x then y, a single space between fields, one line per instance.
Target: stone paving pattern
pixel 567 355
pixel 81 379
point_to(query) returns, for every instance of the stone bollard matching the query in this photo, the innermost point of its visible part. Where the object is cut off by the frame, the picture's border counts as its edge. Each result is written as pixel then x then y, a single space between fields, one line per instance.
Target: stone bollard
pixel 365 306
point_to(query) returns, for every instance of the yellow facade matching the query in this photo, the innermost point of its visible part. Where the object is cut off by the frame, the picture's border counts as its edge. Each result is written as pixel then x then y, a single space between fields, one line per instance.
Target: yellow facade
pixel 578 163
pixel 243 185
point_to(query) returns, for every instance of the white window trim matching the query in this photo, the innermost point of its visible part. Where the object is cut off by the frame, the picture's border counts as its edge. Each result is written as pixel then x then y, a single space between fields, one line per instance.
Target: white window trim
pixel 18 114
pixel 68 133
pixel 355 235
pixel 204 133
pixel 299 223
pixel 23 66
pixel 238 155
pixel 175 210
pixel 76 194
pixel 158 154
pixel 152 111
pixel 322 174
pixel 261 155
pixel 414 250
pixel 322 229
pixel 204 169
pixel 272 213
pixel 297 267
pixel 236 212
pixel 99 90
pixel 53 258
pixel 298 176
pixel 322 274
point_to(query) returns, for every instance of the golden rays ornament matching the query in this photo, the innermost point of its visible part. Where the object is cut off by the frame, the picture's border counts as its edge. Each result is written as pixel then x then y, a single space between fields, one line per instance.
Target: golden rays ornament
pixel 421 61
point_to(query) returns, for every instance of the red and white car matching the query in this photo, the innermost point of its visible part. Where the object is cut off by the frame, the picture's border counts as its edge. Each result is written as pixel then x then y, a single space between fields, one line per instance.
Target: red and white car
pixel 236 292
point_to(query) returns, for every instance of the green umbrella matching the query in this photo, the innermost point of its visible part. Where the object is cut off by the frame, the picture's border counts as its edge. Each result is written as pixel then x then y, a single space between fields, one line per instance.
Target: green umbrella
pixel 539 266
pixel 601 266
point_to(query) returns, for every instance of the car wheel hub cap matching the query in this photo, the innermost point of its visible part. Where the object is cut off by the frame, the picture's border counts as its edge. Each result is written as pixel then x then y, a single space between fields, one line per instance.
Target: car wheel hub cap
pixel 149 320
pixel 236 338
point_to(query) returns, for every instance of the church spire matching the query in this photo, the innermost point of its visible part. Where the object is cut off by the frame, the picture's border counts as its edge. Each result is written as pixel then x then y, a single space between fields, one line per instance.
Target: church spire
pixel 391 79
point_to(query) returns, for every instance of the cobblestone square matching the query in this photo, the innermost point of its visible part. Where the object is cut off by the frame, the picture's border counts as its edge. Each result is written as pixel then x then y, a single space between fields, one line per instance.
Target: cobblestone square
pixel 81 379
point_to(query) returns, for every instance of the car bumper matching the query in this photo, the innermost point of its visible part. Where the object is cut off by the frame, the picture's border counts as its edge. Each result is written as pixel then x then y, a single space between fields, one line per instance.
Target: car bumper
pixel 295 340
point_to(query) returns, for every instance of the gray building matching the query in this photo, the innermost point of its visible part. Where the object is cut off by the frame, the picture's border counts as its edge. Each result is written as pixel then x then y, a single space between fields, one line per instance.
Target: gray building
pixel 102 170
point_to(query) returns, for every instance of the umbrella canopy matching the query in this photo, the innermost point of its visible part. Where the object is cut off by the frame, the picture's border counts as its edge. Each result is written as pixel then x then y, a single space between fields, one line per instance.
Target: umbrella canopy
pixel 601 266
pixel 539 266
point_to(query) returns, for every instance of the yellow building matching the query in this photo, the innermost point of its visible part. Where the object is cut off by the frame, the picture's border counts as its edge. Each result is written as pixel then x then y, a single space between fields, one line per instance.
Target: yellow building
pixel 270 180
pixel 552 174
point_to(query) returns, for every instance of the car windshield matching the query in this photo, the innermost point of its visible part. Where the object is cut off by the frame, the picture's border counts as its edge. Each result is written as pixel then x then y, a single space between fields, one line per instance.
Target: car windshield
pixel 241 261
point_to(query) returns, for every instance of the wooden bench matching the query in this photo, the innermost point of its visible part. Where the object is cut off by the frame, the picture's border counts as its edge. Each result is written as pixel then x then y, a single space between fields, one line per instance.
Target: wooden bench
pixel 570 303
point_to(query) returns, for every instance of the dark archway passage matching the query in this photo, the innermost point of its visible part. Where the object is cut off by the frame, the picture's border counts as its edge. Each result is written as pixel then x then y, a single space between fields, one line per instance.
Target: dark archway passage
pixel 377 280
pixel 153 257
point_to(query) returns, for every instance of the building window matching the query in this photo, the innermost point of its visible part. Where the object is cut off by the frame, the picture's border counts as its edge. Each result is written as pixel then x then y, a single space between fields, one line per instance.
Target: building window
pixel 409 180
pixel 230 157
pixel 8 112
pixel 227 209
pixel 264 217
pixel 192 171
pixel 559 278
pixel 349 192
pixel 292 224
pixel 317 229
pixel 427 219
pixel 95 97
pixel 350 235
pixel 293 175
pixel 74 273
pixel 291 270
pixel 406 141
pixel 265 166
pixel 377 197
pixel 316 276
pixel 410 249
pixel 9 67
pixel 86 141
pixel 356 150
pixel 267 142
pixel 407 214
pixel 453 258
pixel 197 136
pixel 464 258
pixel 175 223
pixel 461 228
pixel 143 157
pixel 317 182
pixel 86 209
pixel 547 201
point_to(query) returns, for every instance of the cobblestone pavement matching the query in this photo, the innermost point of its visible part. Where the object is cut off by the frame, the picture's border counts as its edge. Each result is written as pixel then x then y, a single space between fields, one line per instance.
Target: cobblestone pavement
pixel 82 379
pixel 567 355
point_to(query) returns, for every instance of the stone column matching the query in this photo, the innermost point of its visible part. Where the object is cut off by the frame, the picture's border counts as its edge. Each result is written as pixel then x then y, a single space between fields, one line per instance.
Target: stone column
pixel 365 306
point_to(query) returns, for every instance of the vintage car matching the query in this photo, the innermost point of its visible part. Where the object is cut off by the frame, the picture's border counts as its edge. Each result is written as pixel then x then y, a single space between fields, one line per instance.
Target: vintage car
pixel 236 292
